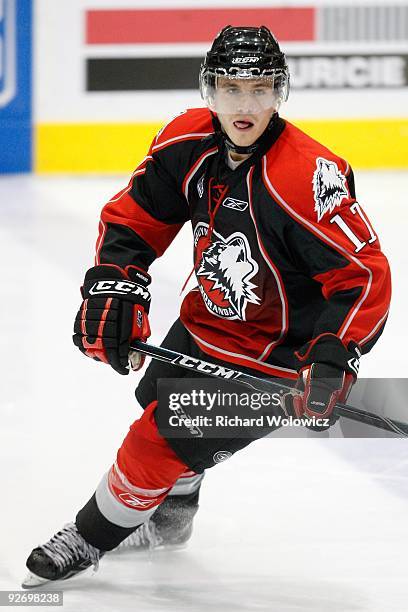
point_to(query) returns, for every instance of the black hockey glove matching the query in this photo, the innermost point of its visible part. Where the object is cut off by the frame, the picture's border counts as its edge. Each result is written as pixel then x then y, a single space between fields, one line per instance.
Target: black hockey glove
pixel 113 313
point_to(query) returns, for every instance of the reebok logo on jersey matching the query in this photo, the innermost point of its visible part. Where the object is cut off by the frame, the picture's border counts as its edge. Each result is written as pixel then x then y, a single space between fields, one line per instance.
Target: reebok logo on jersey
pixel 224 273
pixel 329 187
pixel 104 287
pixel 235 204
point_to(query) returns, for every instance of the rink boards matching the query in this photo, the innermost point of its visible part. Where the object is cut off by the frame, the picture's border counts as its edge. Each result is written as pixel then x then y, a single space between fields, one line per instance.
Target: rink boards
pixel 119 147
pixel 100 94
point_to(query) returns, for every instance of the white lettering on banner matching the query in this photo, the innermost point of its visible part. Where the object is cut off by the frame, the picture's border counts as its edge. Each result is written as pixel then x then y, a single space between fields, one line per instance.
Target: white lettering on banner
pixel 354 71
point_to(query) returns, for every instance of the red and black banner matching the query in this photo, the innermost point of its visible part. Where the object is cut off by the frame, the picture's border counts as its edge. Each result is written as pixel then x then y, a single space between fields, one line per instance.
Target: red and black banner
pixel 137 26
pixel 142 30
pixel 142 73
pixel 173 26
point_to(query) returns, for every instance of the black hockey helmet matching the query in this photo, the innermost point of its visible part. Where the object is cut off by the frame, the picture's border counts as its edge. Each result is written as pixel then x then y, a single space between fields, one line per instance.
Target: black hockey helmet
pixel 244 52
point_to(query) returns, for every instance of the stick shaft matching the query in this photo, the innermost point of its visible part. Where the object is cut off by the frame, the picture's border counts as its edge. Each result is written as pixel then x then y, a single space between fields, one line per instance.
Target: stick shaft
pixel 260 384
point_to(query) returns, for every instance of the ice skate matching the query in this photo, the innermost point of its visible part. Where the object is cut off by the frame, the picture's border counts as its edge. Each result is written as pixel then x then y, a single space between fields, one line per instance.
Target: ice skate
pixel 65 555
pixel 170 527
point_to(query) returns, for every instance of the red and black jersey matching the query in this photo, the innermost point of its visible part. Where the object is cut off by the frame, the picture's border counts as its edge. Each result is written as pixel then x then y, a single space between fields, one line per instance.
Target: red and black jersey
pixel 284 256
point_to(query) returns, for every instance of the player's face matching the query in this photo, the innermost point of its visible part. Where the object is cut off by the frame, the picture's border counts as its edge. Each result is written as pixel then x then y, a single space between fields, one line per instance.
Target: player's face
pixel 245 108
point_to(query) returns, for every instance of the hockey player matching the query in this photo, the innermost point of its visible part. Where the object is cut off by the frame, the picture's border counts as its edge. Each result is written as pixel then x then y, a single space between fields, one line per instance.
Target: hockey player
pixel 291 282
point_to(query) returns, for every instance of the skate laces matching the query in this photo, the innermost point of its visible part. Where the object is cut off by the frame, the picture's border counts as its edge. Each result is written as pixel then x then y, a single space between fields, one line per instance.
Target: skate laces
pixel 146 535
pixel 68 545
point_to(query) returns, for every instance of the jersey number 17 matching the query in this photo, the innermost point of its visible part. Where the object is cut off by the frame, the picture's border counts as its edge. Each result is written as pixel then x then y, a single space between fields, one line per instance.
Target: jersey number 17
pixel 356 210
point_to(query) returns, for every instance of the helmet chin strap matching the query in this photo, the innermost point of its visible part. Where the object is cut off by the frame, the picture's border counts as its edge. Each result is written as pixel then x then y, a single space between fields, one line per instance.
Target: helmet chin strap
pixel 248 150
pixel 244 150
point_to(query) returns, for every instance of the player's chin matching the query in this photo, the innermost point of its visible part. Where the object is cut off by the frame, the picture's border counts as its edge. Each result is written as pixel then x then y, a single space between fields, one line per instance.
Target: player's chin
pixel 244 140
pixel 244 137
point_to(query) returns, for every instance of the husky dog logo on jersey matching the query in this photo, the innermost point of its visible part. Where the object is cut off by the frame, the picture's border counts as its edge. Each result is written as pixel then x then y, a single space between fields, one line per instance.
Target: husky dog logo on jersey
pixel 329 187
pixel 224 273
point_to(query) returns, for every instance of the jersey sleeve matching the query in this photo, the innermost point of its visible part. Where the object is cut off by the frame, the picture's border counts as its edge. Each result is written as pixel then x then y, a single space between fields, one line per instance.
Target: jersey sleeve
pixel 139 223
pixel 336 245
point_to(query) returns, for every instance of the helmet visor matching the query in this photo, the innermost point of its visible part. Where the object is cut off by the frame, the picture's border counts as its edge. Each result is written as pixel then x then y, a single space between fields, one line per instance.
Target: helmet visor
pixel 243 93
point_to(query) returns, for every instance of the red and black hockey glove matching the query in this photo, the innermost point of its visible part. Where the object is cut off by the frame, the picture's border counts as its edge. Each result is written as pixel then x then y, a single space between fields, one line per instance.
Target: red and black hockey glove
pixel 321 386
pixel 326 377
pixel 113 313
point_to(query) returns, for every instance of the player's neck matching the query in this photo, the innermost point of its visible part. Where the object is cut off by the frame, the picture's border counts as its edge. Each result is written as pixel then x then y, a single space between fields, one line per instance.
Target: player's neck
pixel 238 157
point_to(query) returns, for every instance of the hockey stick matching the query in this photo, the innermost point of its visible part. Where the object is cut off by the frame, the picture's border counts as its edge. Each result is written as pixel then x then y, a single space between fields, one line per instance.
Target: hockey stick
pixel 260 384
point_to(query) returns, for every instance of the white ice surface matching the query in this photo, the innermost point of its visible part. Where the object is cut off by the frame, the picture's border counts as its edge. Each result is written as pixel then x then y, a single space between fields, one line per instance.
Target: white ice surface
pixel 286 525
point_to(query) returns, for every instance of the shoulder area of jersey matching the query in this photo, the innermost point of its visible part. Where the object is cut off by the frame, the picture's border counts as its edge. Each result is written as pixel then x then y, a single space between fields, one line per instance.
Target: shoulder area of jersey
pixel 191 124
pixel 305 177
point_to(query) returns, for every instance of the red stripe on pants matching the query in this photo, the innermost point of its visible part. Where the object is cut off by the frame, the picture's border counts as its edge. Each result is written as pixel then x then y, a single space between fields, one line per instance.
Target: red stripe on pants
pixel 146 459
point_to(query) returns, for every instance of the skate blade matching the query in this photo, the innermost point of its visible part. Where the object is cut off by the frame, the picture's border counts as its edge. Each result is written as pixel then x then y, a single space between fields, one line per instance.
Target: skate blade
pixel 135 550
pixel 32 580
